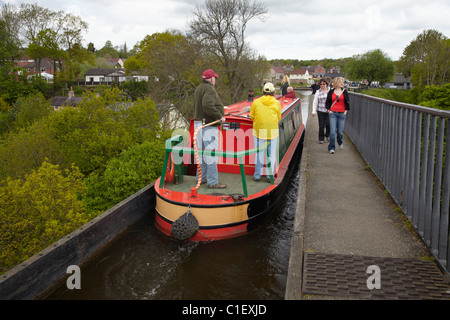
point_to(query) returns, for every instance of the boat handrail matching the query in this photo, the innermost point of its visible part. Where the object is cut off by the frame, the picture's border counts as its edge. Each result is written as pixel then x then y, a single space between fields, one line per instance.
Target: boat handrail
pixel 172 146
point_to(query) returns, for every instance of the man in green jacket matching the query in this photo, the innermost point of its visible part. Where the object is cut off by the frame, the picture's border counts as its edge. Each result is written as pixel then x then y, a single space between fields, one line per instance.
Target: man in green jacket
pixel 209 108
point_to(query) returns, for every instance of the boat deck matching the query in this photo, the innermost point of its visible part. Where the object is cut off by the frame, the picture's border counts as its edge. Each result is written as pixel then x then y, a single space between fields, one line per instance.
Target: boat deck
pixel 233 182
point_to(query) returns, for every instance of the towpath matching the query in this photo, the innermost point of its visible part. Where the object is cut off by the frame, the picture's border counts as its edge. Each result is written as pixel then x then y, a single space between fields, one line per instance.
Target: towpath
pixel 350 239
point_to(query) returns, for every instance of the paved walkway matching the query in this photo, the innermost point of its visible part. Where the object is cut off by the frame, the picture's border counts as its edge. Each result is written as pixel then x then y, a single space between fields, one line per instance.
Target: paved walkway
pixel 343 213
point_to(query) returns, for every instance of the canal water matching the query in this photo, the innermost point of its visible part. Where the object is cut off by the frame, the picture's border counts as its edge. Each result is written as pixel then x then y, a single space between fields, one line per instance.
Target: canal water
pixel 144 264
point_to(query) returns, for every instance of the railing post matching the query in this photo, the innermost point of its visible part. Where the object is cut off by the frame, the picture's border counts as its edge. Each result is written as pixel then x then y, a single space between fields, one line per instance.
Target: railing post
pixel 244 181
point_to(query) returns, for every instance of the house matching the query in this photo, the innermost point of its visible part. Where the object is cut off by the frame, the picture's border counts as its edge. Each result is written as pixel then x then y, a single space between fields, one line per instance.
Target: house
pixel 116 63
pixel 46 68
pixel 108 76
pixel 276 73
pixel 300 76
pixel 60 102
pixel 99 76
pixel 137 76
pixel 316 71
pixel 399 82
pixel 334 70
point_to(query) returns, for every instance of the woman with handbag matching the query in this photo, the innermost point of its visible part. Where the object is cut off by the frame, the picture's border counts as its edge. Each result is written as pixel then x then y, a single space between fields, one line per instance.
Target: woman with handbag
pixel 337 104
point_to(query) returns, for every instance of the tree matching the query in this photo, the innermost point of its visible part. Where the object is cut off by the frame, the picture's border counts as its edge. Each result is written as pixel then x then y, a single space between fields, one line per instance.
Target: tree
pixel 43 46
pixel 91 47
pixel 108 51
pixel 437 97
pixel 24 150
pixel 36 24
pixel 372 66
pixel 38 210
pixel 101 127
pixel 218 28
pixel 125 175
pixel 169 60
pixel 30 109
pixel 9 41
pixel 427 59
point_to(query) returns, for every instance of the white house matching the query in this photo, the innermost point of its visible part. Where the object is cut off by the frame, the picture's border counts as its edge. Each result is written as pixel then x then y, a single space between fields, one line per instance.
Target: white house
pixel 300 75
pixel 105 75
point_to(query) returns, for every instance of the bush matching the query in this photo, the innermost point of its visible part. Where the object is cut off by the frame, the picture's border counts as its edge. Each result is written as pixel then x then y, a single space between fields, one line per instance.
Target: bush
pixel 437 97
pixel 124 176
pixel 390 94
pixel 37 211
pixel 100 128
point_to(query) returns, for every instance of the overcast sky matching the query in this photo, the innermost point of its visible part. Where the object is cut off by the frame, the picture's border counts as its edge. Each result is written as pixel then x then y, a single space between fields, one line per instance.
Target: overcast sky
pixel 297 29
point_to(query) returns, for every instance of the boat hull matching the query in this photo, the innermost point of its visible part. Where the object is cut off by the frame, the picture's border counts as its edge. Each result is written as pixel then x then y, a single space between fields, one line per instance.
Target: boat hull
pixel 228 220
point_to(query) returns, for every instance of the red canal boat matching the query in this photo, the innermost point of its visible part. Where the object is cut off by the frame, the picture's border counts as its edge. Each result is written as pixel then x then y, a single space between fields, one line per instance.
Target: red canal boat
pixel 187 210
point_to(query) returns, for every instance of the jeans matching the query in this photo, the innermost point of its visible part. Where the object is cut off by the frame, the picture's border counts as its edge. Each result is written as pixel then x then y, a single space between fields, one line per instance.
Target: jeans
pixel 337 122
pixel 208 138
pixel 260 156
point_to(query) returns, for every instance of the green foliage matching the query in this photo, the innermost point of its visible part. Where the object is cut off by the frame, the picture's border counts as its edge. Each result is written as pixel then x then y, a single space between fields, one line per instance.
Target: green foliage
pixel 108 51
pixel 14 85
pixel 372 66
pixel 25 150
pixel 38 210
pixel 135 89
pixel 427 59
pixel 437 97
pixel 100 128
pixel 390 94
pixel 28 109
pixel 124 176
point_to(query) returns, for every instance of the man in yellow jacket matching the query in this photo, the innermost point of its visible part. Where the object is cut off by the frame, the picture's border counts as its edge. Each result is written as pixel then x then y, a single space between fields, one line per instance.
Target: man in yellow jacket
pixel 265 113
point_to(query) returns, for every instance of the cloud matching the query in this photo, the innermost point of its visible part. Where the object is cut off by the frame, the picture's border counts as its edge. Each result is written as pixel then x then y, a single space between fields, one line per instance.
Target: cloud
pixel 292 28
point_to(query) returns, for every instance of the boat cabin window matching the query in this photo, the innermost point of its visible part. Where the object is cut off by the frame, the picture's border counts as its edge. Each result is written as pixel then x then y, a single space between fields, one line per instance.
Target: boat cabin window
pixel 282 138
pixel 291 126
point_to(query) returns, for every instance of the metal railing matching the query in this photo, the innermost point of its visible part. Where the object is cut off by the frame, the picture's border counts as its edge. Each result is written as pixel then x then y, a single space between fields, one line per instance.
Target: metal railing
pixel 405 145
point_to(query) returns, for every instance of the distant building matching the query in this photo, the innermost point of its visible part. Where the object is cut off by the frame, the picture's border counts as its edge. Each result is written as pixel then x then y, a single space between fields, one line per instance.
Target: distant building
pixel 46 68
pixel 60 102
pixel 108 76
pixel 399 82
pixel 105 76
pixel 276 73
pixel 301 75
pixel 316 71
pixel 116 63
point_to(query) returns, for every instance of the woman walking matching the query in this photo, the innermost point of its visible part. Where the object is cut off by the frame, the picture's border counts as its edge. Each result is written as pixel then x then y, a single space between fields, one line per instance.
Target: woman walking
pixel 337 104
pixel 322 113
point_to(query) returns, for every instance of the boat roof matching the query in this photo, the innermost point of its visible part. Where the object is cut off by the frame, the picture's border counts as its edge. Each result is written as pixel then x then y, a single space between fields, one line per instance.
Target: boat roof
pixel 242 109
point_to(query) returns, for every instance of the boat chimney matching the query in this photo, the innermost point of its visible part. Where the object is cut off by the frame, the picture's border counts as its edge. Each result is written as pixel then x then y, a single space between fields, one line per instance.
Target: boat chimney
pixel 250 95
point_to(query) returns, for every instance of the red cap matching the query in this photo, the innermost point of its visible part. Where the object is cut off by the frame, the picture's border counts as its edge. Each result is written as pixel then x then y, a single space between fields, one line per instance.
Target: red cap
pixel 208 74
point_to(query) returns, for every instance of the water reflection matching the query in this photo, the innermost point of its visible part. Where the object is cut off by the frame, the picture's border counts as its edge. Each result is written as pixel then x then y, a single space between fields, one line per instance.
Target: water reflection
pixel 145 264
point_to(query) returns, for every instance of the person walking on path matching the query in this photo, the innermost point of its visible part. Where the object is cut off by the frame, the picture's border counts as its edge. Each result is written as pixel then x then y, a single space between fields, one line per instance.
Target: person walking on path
pixel 337 104
pixel 265 113
pixel 322 113
pixel 208 107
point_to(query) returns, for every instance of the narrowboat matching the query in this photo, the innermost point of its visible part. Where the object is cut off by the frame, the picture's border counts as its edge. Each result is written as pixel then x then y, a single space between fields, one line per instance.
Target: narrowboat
pixel 189 210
